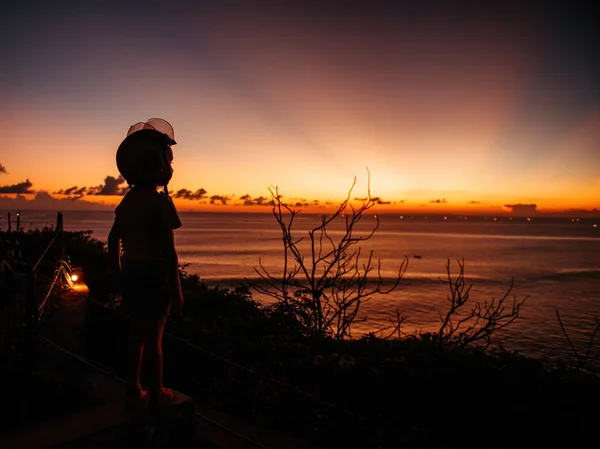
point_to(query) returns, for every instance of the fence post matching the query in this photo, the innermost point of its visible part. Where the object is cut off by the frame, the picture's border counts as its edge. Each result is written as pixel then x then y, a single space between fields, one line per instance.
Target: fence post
pixel 31 337
pixel 59 221
pixel 60 243
pixel 9 226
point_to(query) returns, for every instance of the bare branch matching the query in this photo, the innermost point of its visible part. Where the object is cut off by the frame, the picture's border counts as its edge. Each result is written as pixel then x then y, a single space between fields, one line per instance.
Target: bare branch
pixel 584 361
pixel 327 285
pixel 482 321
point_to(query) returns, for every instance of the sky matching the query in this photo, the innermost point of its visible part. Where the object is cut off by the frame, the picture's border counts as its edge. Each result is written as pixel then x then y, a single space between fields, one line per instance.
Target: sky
pixel 465 107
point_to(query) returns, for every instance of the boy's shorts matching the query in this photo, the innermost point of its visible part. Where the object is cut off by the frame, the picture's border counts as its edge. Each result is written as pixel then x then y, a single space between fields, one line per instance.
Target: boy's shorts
pixel 145 290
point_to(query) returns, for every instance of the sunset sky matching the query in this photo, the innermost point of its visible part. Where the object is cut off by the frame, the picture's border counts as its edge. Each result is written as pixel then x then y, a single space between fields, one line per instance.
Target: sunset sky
pixel 460 109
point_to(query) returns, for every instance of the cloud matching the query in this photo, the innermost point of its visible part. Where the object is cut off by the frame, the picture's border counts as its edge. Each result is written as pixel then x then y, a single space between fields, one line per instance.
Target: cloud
pixel 3 170
pixel 439 201
pixel 581 213
pixel 189 195
pixel 22 187
pixel 474 202
pixel 45 201
pixel 259 201
pixel 80 192
pixel 219 198
pixel 76 192
pixel 522 209
pixel 111 186
pixel 376 200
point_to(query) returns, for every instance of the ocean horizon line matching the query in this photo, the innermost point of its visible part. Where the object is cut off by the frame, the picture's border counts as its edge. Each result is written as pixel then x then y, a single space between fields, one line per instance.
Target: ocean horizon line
pixel 579 214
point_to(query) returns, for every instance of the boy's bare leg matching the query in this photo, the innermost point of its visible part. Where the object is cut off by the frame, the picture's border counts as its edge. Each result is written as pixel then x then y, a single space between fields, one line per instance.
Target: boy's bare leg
pixel 135 351
pixel 153 345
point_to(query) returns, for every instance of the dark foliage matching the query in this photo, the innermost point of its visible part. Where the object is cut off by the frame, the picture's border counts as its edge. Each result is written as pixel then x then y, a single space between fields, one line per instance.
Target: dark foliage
pixel 257 363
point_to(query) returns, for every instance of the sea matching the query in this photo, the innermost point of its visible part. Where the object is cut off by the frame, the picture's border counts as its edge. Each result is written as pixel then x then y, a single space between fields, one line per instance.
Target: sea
pixel 552 262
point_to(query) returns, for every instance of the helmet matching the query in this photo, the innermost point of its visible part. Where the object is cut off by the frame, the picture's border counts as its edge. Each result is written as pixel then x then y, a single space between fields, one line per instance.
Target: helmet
pixel 145 155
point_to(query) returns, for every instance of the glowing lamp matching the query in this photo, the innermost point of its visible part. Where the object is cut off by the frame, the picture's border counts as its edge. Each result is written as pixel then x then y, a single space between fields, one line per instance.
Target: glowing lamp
pixel 76 275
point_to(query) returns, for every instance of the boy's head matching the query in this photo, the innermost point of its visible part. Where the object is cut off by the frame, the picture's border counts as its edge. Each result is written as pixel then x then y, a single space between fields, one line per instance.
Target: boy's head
pixel 145 156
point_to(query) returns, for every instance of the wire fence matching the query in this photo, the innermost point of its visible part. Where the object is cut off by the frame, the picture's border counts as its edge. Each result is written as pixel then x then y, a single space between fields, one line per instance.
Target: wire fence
pixel 12 262
pixel 16 221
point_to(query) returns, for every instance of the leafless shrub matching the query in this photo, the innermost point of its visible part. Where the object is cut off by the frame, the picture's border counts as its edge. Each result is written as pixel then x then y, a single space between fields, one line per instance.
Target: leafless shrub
pixel 325 285
pixel 394 328
pixel 584 359
pixel 478 325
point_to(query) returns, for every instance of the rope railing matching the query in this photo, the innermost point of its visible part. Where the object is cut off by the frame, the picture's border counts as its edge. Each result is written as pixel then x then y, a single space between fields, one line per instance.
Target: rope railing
pixel 46 250
pixel 31 222
pixel 21 223
pixel 57 233
pixel 63 269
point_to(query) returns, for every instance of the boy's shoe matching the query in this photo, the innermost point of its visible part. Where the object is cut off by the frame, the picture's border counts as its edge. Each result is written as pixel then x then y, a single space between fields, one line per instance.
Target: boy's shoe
pixel 166 396
pixel 160 402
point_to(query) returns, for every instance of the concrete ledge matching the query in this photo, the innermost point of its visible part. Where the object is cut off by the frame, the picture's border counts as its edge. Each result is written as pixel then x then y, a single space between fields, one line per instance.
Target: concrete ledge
pixel 110 421
pixel 227 432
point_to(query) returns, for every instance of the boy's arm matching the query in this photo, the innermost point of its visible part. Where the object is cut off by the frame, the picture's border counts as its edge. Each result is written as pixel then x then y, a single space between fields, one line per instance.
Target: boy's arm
pixel 114 251
pixel 169 222
pixel 171 256
pixel 168 237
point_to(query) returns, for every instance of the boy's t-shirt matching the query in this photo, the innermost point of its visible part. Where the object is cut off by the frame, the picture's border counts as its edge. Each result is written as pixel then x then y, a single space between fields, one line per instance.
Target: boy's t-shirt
pixel 141 217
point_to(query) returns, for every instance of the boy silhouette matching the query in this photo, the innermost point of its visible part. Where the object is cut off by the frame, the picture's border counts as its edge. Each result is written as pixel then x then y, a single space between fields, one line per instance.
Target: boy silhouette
pixel 143 228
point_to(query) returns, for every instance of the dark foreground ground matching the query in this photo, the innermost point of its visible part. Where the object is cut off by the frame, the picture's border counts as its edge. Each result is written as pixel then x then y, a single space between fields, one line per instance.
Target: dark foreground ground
pixel 235 357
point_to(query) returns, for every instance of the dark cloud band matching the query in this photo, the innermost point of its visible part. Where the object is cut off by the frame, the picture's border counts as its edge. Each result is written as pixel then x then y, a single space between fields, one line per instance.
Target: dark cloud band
pixel 22 187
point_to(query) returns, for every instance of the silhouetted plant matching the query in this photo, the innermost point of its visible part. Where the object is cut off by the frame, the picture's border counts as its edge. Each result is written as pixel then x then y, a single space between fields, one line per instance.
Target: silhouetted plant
pixel 392 330
pixel 584 360
pixel 324 285
pixel 483 320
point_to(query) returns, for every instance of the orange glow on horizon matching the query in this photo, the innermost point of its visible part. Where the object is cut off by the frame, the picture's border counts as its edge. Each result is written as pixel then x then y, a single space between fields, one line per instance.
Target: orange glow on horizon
pixel 454 207
pixel 451 113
